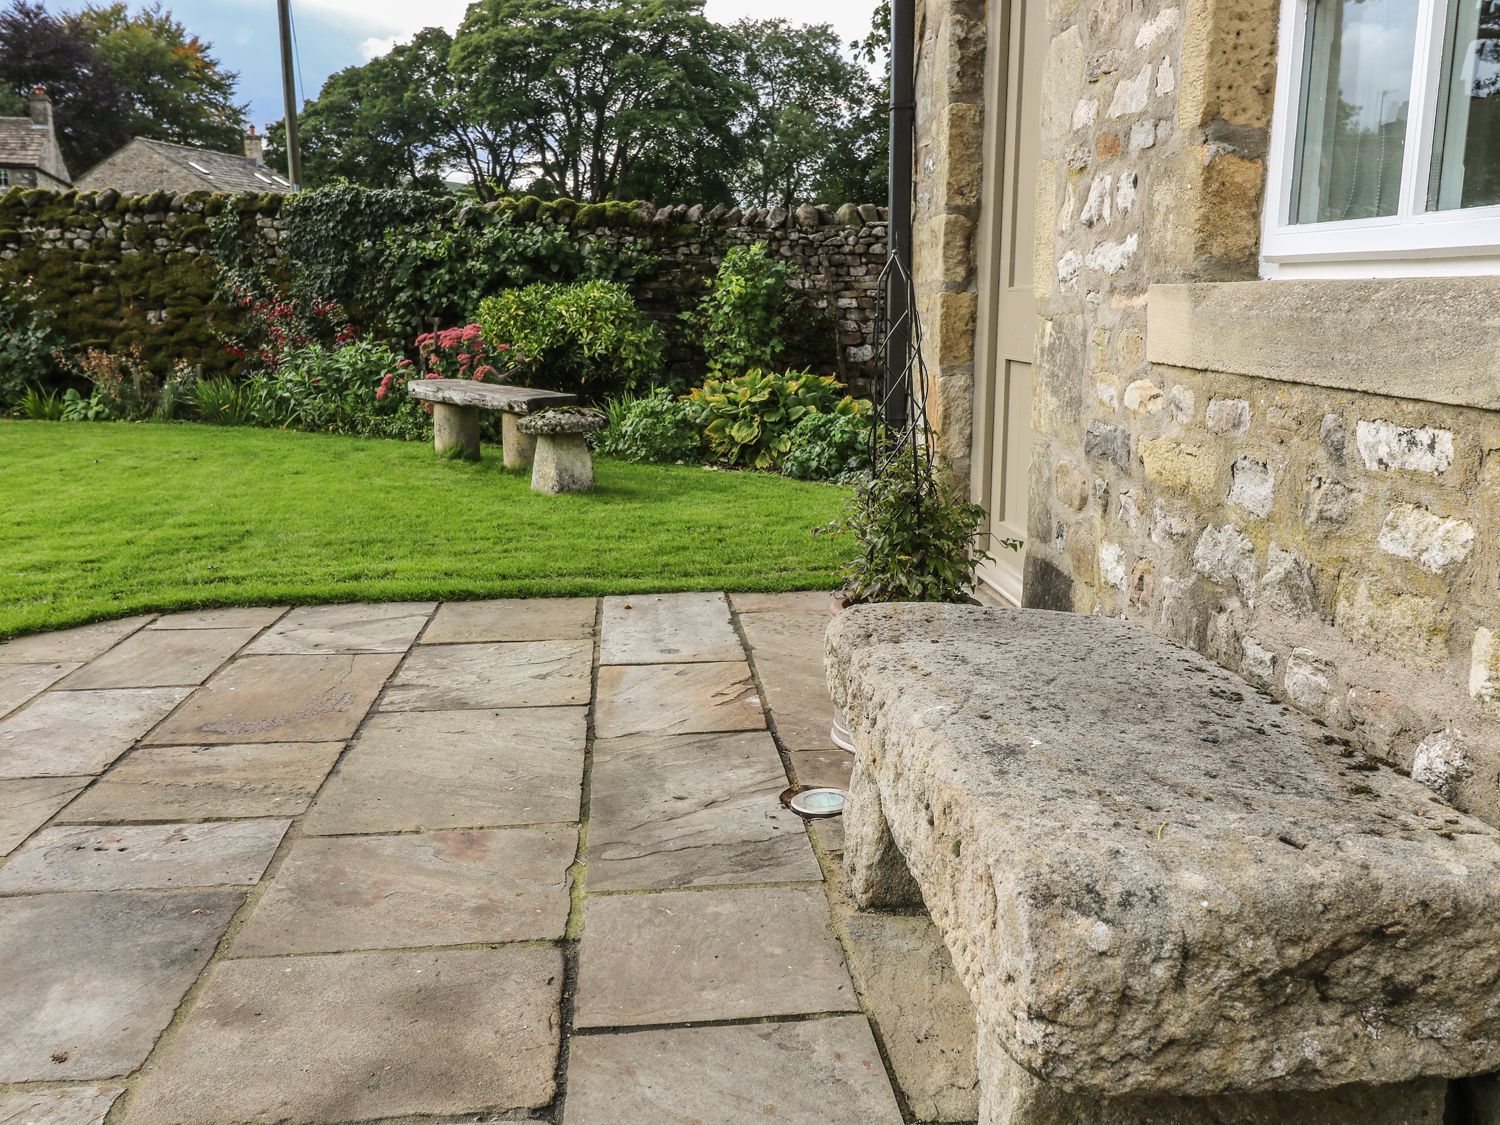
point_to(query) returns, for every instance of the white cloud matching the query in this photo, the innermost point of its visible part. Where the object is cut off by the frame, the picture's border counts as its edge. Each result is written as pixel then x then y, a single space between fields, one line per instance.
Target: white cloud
pixel 850 18
pixel 374 47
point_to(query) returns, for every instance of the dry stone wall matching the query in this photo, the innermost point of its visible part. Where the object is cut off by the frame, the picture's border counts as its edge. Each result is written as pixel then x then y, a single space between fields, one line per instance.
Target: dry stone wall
pixel 124 270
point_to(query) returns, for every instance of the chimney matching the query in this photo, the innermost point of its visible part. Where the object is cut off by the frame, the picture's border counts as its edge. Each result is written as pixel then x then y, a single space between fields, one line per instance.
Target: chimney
pixel 39 106
pixel 255 147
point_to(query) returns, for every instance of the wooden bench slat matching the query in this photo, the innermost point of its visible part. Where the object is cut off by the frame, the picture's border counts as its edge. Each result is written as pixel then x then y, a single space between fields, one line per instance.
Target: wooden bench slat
pixel 488 396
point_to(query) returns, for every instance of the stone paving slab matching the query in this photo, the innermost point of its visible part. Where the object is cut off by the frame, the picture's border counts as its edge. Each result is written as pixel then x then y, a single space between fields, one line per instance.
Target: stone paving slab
pixel 59 1105
pixel 21 682
pixel 788 652
pixel 818 603
pixel 280 699
pixel 456 769
pixel 71 733
pixel 512 619
pixel 676 699
pixel 181 783
pixel 517 674
pixel 91 979
pixel 668 629
pixel 456 887
pixel 708 955
pixel 161 658
pixel 692 810
pixel 391 627
pixel 361 1036
pixel 27 805
pixel 823 769
pixel 813 1072
pixel 69 645
pixel 246 617
pixel 143 856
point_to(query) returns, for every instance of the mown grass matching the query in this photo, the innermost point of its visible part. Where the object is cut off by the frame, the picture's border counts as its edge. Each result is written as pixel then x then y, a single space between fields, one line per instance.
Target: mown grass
pixel 104 520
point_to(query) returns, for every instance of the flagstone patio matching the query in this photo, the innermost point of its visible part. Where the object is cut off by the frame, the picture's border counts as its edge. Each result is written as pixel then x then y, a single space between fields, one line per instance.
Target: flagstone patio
pixel 504 861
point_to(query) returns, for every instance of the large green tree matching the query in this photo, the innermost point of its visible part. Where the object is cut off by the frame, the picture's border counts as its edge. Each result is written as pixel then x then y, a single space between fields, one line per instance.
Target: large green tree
pixel 602 90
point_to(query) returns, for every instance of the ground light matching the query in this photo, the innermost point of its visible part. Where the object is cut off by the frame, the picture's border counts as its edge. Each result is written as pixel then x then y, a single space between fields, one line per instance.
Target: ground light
pixel 818 804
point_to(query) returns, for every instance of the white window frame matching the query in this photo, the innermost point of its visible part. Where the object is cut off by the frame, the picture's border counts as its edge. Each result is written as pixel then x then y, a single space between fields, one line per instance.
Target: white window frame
pixel 1413 242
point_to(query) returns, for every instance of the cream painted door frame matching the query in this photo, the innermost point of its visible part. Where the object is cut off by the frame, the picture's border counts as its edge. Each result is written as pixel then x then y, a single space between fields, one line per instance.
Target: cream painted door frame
pixel 1004 350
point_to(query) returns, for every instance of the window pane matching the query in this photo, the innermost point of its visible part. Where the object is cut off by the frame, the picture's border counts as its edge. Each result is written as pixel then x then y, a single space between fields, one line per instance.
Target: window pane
pixel 1356 88
pixel 1466 152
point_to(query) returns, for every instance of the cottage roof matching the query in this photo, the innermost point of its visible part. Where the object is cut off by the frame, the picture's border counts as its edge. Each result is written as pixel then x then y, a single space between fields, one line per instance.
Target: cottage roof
pixel 218 171
pixel 23 144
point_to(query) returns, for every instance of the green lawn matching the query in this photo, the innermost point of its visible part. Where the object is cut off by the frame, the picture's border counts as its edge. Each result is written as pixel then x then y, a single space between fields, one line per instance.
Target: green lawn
pixel 101 520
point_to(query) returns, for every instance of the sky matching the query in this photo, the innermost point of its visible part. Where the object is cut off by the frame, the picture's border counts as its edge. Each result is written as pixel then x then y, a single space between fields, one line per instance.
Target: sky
pixel 333 34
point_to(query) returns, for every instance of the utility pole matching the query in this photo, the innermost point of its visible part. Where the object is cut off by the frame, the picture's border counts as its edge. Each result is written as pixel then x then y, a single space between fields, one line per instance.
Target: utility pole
pixel 289 94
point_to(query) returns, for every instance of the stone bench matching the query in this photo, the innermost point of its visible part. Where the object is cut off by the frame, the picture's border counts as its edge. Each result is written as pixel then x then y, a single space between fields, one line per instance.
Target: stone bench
pixel 456 404
pixel 1170 898
pixel 562 462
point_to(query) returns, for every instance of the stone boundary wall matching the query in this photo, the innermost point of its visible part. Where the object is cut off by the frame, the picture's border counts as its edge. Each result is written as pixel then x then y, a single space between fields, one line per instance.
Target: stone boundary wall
pixel 125 270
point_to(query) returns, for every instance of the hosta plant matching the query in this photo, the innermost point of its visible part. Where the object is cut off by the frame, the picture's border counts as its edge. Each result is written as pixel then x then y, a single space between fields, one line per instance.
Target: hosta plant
pixel 748 421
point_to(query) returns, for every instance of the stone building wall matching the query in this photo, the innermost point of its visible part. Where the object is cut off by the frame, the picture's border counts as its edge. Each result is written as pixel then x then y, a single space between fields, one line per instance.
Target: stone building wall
pixel 123 269
pixel 1299 478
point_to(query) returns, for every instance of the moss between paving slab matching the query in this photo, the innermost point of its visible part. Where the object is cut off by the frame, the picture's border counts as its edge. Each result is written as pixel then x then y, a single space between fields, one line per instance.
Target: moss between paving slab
pixel 104 520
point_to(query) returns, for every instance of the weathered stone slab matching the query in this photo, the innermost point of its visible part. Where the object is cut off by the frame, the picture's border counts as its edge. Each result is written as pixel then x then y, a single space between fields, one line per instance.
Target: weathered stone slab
pixel 488 396
pixel 70 733
pixel 208 782
pixel 236 617
pixel 708 955
pixel 59 1105
pixel 512 619
pixel 456 769
pixel 391 627
pixel 21 682
pixel 918 1005
pixel 362 1036
pixel 692 810
pixel 143 856
pixel 91 979
pixel 817 603
pixel 817 1072
pixel 69 646
pixel 161 658
pixel 280 699
pixel 516 674
pixel 788 653
pixel 822 769
pixel 676 699
pixel 668 629
pixel 1254 911
pixel 27 805
pixel 423 889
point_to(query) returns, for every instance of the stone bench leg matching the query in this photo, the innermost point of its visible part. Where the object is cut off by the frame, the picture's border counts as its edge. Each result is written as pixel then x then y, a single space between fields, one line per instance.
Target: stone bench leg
pixel 563 464
pixel 455 431
pixel 1010 1095
pixel 519 449
pixel 877 871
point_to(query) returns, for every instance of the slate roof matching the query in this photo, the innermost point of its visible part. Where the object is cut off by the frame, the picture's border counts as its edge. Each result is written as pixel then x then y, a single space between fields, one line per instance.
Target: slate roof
pixel 23 145
pixel 217 171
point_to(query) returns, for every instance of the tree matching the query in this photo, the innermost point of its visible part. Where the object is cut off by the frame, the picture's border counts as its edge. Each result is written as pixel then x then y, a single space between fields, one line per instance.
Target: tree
pixel 807 98
pixel 175 90
pixel 602 90
pixel 89 105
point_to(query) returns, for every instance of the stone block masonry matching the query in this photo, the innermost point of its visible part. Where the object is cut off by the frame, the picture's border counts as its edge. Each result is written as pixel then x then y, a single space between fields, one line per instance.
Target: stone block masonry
pixel 137 270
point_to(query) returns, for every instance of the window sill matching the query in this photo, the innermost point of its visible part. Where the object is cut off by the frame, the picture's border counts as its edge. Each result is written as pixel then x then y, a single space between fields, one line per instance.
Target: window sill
pixel 1426 339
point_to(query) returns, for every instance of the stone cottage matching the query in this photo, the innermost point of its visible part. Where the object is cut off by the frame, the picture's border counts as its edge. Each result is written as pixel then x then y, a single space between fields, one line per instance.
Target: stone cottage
pixel 29 154
pixel 143 166
pixel 1211 301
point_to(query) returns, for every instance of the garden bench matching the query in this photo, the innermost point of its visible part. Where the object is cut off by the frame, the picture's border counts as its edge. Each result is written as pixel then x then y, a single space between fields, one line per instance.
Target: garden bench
pixel 456 404
pixel 1169 897
pixel 562 462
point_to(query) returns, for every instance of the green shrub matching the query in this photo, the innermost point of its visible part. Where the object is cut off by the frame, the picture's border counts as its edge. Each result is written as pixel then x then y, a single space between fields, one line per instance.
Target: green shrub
pixel 832 445
pixel 656 427
pixel 918 536
pixel 748 421
pixel 739 320
pixel 40 405
pixel 343 390
pixel 27 343
pixel 76 408
pixel 221 402
pixel 588 338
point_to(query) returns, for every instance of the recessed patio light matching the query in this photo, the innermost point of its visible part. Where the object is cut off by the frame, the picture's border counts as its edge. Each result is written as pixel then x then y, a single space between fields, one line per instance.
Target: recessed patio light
pixel 818 804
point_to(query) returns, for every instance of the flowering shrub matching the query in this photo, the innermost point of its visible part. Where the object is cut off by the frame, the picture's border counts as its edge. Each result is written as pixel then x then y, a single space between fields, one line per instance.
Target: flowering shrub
pixel 464 353
pixel 276 325
pixel 344 390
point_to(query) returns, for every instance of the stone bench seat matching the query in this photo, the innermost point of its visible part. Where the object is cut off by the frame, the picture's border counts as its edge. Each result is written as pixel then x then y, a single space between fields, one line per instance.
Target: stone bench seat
pixel 1156 882
pixel 455 415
